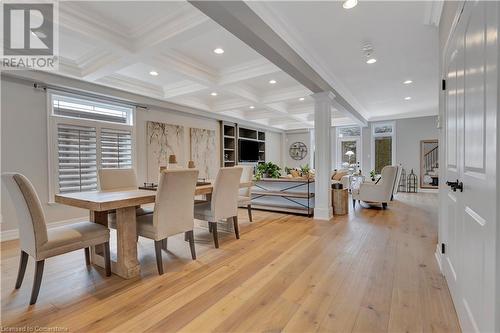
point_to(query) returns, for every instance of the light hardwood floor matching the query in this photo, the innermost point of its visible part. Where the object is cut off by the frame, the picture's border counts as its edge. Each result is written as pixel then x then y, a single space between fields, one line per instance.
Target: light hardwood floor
pixel 371 271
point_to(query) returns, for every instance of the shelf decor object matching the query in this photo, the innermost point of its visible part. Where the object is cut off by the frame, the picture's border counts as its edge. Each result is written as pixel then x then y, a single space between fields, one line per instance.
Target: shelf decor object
pixel 298 151
pixel 228 144
pixel 412 182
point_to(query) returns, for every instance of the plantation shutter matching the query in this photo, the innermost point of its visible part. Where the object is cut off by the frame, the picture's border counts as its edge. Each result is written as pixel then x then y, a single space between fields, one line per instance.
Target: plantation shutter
pixel 77 159
pixel 116 148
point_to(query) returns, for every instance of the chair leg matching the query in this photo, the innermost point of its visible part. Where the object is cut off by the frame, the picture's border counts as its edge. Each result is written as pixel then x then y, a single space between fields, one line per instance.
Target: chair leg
pixel 236 227
pixel 22 269
pixel 353 203
pixel 209 227
pixel 159 262
pixel 37 281
pixel 384 205
pixel 107 259
pixel 190 237
pixel 249 207
pixel 214 233
pixel 186 237
pixel 87 256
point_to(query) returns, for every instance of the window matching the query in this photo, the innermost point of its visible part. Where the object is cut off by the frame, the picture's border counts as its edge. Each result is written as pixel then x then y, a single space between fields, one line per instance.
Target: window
pixel 383 146
pixel 348 147
pixel 85 135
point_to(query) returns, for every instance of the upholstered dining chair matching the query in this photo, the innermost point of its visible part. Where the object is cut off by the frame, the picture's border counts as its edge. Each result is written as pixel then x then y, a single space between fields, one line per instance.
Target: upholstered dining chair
pixel 120 179
pixel 245 194
pixel 173 212
pixel 379 192
pixel 41 243
pixel 224 202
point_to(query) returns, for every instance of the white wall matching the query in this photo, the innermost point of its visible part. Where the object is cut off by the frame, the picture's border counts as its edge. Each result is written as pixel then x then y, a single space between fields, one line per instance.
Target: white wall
pixel 274 143
pixel 24 144
pixel 409 133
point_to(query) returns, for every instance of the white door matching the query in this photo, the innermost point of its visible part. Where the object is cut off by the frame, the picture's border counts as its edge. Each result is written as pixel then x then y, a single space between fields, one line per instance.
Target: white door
pixel 471 159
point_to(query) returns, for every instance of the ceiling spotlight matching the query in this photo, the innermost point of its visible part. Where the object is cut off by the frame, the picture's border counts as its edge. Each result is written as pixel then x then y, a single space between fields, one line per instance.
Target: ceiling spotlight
pixel 408 82
pixel 218 50
pixel 251 107
pixel 368 51
pixel 407 98
pixel 213 93
pixel 348 4
pixel 301 99
pixel 153 73
pixel 272 81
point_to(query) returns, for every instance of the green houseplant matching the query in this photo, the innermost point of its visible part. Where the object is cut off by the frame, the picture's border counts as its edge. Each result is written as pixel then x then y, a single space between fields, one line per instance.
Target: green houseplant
pixel 269 170
pixel 372 175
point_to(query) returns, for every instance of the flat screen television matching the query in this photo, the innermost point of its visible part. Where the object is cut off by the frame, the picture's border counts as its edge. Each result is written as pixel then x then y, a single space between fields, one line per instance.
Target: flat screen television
pixel 248 151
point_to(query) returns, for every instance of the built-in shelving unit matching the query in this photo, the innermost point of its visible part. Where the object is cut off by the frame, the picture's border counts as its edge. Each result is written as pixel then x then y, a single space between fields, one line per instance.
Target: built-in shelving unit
pixel 230 134
pixel 254 135
pixel 229 144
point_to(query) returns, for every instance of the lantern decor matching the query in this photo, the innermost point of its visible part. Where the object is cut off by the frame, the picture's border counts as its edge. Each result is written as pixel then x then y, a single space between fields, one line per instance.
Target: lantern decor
pixel 412 182
pixel 402 181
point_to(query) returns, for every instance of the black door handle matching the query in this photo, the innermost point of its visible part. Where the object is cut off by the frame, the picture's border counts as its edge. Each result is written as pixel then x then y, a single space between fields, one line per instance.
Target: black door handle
pixel 456 185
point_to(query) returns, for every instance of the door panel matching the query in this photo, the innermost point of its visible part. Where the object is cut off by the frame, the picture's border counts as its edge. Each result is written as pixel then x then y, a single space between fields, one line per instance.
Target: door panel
pixel 471 157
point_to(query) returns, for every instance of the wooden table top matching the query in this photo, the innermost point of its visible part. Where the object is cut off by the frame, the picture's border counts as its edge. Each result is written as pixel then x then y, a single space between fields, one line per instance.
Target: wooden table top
pixel 108 200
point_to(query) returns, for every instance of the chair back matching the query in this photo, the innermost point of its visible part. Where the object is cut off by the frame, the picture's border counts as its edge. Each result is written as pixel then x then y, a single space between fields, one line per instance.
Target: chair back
pixel 224 202
pixel 117 179
pixel 397 180
pixel 28 210
pixel 246 176
pixel 386 182
pixel 174 205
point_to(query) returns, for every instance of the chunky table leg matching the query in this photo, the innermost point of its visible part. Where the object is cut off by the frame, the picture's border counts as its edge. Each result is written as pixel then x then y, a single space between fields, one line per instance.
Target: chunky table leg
pixel 98 250
pixel 127 265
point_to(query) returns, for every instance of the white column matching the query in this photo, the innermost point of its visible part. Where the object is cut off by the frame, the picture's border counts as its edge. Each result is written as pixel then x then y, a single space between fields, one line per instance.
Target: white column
pixel 322 137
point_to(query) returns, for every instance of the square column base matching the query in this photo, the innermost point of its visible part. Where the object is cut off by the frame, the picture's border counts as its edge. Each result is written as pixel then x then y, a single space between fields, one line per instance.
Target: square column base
pixel 325 214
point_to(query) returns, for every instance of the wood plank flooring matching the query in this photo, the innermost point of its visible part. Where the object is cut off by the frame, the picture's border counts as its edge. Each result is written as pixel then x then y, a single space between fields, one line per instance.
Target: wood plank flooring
pixel 370 271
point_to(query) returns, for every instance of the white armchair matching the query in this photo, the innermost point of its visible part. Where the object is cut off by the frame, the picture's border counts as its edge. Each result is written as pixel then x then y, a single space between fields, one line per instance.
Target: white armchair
pixel 380 192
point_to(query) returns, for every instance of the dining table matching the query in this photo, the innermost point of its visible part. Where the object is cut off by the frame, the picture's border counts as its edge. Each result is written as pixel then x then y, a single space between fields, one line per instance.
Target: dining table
pixel 124 202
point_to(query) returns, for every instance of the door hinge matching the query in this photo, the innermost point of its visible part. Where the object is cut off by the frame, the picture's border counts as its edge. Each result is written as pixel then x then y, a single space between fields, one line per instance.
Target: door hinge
pixel 443 248
pixel 443 84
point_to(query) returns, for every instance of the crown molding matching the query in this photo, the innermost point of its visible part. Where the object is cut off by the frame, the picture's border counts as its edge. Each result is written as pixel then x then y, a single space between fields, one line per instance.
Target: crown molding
pixel 286 94
pixel 184 87
pixel 247 70
pixel 186 67
pixel 127 83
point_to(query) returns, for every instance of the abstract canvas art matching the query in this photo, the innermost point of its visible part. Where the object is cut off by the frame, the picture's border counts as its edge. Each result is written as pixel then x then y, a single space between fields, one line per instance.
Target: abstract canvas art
pixel 163 140
pixel 204 152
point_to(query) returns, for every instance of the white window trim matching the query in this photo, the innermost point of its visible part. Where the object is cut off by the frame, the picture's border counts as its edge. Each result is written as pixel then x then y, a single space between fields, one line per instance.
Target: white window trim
pixel 373 136
pixel 52 122
pixel 338 145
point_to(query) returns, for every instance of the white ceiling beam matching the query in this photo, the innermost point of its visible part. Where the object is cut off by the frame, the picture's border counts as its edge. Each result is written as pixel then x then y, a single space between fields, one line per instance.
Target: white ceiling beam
pixel 185 67
pixel 247 70
pixel 184 87
pixel 129 84
pixel 293 93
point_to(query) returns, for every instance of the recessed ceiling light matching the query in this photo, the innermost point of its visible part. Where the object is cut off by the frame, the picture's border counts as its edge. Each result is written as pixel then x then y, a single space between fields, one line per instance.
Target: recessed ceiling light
pixel 153 73
pixel 252 107
pixel 218 50
pixel 408 82
pixel 272 81
pixel 407 98
pixel 301 99
pixel 371 61
pixel 348 4
pixel 213 93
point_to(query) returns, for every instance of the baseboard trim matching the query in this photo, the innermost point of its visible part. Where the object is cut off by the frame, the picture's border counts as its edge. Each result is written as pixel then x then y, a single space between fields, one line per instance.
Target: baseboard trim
pixel 437 254
pixel 7 235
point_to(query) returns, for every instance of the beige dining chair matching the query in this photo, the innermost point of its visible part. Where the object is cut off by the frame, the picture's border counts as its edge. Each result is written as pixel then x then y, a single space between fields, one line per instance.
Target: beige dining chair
pixel 42 243
pixel 245 194
pixel 173 211
pixel 224 202
pixel 120 179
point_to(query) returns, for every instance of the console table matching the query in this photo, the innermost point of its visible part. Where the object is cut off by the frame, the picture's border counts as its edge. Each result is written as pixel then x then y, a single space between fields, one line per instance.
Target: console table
pixel 290 195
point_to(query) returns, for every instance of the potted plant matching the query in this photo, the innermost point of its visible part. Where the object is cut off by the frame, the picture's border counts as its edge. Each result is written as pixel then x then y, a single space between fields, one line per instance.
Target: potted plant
pixel 372 175
pixel 268 170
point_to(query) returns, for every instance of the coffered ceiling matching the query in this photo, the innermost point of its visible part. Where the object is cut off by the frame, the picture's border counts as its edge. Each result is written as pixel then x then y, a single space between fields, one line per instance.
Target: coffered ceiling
pixel 118 44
